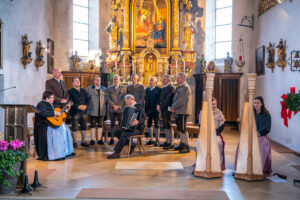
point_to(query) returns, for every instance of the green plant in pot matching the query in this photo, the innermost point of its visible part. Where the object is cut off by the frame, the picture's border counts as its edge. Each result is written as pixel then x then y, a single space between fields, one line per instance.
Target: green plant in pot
pixel 12 153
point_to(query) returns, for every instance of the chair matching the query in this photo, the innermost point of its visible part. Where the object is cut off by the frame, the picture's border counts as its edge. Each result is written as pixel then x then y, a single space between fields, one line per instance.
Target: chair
pixel 139 143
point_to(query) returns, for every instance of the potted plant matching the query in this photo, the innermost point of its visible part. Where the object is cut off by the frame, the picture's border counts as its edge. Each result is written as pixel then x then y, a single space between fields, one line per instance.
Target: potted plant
pixel 12 153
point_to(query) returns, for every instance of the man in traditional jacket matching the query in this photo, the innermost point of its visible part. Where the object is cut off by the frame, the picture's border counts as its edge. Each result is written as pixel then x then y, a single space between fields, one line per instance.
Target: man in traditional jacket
pixel 136 89
pixel 116 102
pixel 165 101
pixel 151 102
pixel 58 87
pixel 181 108
pixel 96 109
pixel 78 111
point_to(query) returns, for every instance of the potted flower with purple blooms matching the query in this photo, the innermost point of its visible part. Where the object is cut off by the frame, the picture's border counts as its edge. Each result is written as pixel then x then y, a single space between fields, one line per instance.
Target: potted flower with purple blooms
pixel 12 153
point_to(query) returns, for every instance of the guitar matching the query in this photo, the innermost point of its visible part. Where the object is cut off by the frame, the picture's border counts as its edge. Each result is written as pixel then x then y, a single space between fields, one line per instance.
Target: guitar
pixel 57 121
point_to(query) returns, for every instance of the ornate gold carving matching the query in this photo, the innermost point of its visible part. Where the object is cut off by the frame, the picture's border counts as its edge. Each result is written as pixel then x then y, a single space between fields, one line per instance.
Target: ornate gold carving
pixel 175 25
pixel 265 5
pixel 75 62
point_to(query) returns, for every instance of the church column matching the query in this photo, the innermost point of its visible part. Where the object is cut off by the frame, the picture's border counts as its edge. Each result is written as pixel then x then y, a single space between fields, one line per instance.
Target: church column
pixel 175 25
pixel 126 26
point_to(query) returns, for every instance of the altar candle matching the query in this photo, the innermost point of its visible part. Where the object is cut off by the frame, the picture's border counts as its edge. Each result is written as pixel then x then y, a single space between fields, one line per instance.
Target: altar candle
pixel 176 68
pixel 293 90
pixel 124 68
pixel 240 58
pixel 184 67
pixel 116 66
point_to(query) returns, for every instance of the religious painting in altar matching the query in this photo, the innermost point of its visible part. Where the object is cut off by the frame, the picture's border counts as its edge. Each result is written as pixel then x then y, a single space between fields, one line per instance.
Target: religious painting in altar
pixel 150 22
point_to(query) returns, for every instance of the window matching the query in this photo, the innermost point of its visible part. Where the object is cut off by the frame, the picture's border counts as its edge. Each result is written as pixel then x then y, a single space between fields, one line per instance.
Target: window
pixel 81 27
pixel 223 28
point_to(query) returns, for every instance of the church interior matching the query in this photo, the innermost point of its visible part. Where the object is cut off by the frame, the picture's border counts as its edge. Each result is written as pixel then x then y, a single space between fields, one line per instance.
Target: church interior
pixel 216 118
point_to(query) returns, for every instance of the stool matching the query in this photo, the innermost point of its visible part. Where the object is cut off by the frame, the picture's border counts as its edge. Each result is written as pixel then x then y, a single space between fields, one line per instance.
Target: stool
pixel 139 143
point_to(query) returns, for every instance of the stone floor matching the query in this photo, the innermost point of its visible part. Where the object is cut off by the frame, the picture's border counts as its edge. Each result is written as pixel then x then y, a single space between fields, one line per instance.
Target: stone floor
pixel 90 169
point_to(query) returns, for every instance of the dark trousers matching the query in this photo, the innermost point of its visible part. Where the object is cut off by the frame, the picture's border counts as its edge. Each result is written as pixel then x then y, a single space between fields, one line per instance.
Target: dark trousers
pixel 123 137
pixel 96 121
pixel 113 116
pixel 151 117
pixel 80 118
pixel 166 118
pixel 180 120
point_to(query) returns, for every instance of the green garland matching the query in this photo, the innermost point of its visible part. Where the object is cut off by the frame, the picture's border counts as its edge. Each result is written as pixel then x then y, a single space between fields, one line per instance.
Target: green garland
pixel 293 102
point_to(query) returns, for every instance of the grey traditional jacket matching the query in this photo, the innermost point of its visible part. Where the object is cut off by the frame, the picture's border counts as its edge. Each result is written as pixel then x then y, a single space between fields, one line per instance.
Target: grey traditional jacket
pixel 116 97
pixel 95 100
pixel 182 100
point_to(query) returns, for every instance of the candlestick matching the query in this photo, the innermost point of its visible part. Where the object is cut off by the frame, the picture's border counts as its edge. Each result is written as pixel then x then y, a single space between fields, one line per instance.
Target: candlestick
pixel 124 69
pixel 293 90
pixel 240 58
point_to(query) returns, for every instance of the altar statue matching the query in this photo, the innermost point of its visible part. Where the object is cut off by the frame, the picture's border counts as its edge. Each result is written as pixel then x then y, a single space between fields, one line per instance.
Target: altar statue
pixel 149 67
pixel 26 47
pixel 112 30
pixel 189 30
pixel 158 32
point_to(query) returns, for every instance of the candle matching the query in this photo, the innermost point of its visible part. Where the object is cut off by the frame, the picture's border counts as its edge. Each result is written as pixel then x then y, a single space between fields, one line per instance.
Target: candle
pixel 124 68
pixel 176 68
pixel 293 90
pixel 116 65
pixel 240 58
pixel 184 67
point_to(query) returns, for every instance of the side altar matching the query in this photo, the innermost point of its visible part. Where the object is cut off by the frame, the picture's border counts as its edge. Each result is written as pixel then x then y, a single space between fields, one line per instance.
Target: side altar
pixel 144 38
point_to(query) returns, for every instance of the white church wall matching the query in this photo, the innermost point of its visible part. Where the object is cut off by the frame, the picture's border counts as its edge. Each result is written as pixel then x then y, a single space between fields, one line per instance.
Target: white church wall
pixel 280 22
pixel 24 17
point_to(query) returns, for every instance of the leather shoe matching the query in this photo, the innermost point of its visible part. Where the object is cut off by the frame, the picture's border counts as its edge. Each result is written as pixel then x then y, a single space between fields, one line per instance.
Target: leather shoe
pixel 75 145
pixel 179 147
pixel 113 156
pixel 169 147
pixel 132 148
pixel 92 142
pixel 185 149
pixel 164 144
pixel 100 142
pixel 84 144
pixel 156 143
pixel 111 142
pixel 149 142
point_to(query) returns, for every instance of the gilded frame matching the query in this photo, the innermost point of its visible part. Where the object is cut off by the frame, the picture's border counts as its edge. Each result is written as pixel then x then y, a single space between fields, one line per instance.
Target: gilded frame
pixel 133 23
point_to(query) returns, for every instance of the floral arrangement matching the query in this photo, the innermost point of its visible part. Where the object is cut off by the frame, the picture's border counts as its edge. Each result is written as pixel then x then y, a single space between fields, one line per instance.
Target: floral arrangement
pixel 290 103
pixel 11 153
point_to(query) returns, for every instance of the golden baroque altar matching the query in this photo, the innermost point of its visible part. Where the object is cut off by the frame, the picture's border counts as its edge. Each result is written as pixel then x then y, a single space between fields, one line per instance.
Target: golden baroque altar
pixel 145 36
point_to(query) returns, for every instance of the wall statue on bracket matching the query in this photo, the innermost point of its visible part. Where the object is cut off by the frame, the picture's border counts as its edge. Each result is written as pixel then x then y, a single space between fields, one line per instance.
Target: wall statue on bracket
pixel 39 51
pixel 271 56
pixel 281 54
pixel 26 59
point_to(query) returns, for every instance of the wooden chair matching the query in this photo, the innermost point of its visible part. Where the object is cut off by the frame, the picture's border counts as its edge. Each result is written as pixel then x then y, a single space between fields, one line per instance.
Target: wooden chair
pixel 139 143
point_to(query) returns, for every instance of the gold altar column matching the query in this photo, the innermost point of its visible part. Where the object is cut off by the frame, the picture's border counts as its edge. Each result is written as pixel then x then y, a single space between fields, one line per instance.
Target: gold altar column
pixel 126 26
pixel 175 25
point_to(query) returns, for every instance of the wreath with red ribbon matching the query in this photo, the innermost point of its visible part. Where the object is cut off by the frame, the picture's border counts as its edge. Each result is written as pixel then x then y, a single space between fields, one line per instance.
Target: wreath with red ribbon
pixel 290 103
